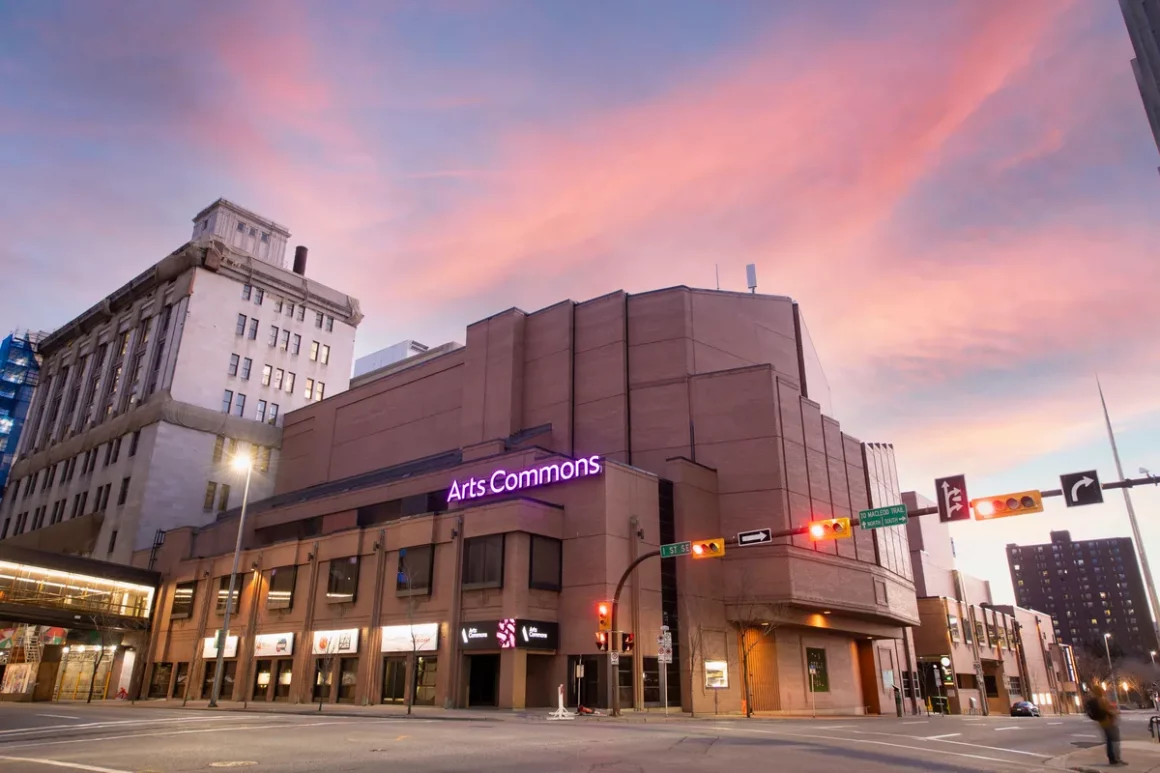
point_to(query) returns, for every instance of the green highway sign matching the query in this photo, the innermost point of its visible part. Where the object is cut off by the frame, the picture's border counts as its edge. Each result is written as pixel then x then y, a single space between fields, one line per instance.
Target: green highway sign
pixel 880 517
pixel 676 549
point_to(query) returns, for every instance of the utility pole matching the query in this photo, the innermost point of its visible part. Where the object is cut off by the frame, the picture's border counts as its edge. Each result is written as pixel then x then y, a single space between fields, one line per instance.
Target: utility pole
pixel 1132 519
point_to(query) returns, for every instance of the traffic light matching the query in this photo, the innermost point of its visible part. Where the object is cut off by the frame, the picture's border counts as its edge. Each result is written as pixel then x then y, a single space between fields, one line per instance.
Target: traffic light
pixel 601 641
pixel 604 616
pixel 709 548
pixel 831 528
pixel 627 640
pixel 1005 505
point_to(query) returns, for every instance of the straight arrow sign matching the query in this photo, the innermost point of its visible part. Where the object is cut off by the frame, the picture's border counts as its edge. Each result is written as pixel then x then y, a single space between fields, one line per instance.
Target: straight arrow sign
pixel 755 537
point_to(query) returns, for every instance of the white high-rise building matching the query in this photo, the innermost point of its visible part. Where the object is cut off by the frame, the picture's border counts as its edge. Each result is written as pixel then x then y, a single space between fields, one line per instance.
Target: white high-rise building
pixel 144 399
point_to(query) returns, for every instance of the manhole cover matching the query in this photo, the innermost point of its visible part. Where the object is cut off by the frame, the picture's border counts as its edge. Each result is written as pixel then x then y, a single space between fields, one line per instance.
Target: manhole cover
pixel 233 764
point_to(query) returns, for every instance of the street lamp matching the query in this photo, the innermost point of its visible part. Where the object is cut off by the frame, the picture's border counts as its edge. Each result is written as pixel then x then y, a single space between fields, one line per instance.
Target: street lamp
pixel 240 462
pixel 1111 672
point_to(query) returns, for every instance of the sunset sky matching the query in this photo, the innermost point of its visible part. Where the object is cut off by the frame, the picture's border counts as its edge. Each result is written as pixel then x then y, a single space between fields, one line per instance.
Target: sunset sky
pixel 963 197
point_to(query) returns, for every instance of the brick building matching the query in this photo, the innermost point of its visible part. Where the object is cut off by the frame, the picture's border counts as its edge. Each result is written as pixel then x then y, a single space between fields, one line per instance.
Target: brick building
pixel 448 526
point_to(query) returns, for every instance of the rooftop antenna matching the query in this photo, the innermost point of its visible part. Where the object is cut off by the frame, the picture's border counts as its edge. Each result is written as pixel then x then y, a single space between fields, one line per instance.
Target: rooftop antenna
pixel 717 270
pixel 751 277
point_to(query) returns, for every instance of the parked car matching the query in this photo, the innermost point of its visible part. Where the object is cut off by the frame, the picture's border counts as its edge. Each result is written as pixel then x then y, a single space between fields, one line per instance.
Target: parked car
pixel 1024 709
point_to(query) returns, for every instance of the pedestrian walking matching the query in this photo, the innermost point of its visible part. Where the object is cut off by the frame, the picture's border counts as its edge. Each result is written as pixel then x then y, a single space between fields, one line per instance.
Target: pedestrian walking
pixel 1107 715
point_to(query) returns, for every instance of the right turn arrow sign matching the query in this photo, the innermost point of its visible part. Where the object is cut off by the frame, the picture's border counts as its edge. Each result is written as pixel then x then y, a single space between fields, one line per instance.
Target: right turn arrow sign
pixel 1081 488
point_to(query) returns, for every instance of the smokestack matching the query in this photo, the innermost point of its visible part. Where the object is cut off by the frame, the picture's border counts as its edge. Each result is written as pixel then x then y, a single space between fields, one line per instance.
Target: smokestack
pixel 300 260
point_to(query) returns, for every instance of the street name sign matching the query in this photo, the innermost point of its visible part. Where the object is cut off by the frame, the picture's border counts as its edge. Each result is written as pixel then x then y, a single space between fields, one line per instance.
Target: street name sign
pixel 1081 488
pixel 754 537
pixel 881 517
pixel 676 549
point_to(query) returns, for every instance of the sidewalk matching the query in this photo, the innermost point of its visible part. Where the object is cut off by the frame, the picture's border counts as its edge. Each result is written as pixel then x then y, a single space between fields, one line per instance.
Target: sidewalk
pixel 1141 756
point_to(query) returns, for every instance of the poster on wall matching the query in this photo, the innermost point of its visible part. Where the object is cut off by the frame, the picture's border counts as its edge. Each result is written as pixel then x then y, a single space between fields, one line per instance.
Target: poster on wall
pixel 421 637
pixel 274 645
pixel 209 647
pixel 716 674
pixel 344 642
pixel 17 679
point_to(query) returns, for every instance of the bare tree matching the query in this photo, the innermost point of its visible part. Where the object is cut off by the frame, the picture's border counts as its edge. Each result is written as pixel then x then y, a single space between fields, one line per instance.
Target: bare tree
pixel 404 577
pixel 110 632
pixel 754 621
pixel 695 647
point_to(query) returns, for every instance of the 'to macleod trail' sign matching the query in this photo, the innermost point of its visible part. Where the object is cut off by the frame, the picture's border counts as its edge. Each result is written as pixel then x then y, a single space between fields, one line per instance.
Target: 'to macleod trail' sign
pixel 504 482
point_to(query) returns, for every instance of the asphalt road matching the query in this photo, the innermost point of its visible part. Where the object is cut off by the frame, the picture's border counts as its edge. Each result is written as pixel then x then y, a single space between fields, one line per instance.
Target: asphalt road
pixel 41 738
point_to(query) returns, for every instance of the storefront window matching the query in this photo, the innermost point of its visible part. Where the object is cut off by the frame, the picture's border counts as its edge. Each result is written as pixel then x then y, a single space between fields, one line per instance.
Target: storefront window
pixel 230 668
pixel 281 593
pixel 285 675
pixel 425 686
pixel 183 600
pixel 322 679
pixel 415 567
pixel 348 679
pixel 159 684
pixel 342 584
pixel 181 681
pixel 545 569
pixel 483 562
pixel 263 672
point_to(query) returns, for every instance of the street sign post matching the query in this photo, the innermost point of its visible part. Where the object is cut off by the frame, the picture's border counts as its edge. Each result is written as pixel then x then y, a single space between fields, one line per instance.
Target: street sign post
pixel 754 537
pixel 664 657
pixel 676 549
pixel 952 498
pixel 1081 488
pixel 614 658
pixel 881 517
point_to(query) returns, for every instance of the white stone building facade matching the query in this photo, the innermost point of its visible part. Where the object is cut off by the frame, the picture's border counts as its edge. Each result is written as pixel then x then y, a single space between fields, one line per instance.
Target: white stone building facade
pixel 145 398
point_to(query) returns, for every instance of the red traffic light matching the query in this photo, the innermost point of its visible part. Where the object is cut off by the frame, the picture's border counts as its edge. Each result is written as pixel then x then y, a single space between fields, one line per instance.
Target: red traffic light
pixel 831 528
pixel 604 616
pixel 709 548
pixel 601 641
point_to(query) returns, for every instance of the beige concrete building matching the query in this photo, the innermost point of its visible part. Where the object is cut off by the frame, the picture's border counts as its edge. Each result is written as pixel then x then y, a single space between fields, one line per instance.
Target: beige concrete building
pixel 447 527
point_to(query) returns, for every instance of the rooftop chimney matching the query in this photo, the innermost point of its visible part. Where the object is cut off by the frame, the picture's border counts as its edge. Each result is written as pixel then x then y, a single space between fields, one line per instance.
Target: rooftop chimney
pixel 300 260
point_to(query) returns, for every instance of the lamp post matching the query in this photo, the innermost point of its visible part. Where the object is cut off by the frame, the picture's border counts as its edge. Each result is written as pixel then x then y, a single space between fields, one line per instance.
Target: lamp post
pixel 1111 672
pixel 240 462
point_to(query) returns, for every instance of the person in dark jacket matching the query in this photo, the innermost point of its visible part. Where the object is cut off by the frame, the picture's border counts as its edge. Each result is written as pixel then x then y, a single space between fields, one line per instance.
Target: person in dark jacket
pixel 1107 715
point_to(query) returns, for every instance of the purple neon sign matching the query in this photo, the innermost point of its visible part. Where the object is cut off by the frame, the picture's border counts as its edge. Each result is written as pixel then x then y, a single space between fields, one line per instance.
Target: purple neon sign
pixel 504 482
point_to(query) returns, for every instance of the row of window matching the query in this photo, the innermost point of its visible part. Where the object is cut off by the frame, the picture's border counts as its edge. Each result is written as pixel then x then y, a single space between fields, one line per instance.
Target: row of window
pixel 41 516
pixel 281 338
pixel 987 635
pixel 268 411
pixel 64 471
pixel 483 567
pixel 261 453
pixel 282 306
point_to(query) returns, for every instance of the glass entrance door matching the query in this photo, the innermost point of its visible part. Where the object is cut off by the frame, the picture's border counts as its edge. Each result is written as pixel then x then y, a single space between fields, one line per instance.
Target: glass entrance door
pixel 394 680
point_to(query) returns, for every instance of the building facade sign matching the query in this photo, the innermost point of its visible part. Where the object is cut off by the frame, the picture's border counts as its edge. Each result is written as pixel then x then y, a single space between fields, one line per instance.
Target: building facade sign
pixel 420 637
pixel 274 645
pixel 209 647
pixel 344 642
pixel 509 634
pixel 504 482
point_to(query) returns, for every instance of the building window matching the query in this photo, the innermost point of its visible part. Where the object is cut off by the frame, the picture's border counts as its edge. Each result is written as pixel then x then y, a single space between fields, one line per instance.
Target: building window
pixel 545 564
pixel 816 669
pixel 241 328
pixel 329 324
pixel 246 289
pixel 133 444
pixel 112 541
pixel 235 360
pixel 278 306
pixel 219 447
pixel 260 415
pixel 314 350
pixel 240 405
pixel 285 340
pixel 224 593
pixel 290 383
pixel 483 562
pixel 273 418
pixel 318 320
pixel 301 313
pixel 227 400
pixel 325 357
pixel 342 583
pixel 210 491
pixel 289 309
pixel 267 371
pixel 309 391
pixel 296 344
pixel 279 374
pixel 242 230
pixel 259 294
pixel 253 332
pixel 183 594
pixel 414 574
pixel 224 498
pixel 123 494
pixel 273 340
pixel 247 364
pixel 282 582
pixel 262 461
pixel 319 390
pixel 116 446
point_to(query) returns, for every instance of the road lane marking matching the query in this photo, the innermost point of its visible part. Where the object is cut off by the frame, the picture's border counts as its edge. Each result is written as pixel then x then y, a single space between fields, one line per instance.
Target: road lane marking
pixel 57 716
pixel 940 737
pixel 281 725
pixel 961 743
pixel 923 722
pixel 1084 735
pixel 90 725
pixel 58 764
pixel 1001 729
pixel 1055 723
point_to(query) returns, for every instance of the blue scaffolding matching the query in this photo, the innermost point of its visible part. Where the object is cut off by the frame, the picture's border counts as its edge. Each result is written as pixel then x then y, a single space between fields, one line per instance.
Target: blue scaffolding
pixel 19 375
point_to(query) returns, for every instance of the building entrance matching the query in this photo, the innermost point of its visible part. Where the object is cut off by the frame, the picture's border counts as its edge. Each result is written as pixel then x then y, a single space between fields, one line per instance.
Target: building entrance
pixel 394 679
pixel 482 680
